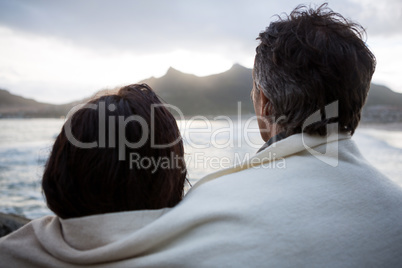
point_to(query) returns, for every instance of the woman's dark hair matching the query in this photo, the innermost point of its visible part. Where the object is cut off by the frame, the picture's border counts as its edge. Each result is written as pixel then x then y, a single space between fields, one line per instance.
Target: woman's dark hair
pixel 310 59
pixel 135 160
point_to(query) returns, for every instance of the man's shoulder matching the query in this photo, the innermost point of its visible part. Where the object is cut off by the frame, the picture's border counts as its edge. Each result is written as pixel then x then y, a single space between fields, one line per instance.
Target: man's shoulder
pixel 304 175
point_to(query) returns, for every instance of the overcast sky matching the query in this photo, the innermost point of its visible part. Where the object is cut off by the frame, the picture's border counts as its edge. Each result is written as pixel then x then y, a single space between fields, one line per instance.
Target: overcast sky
pixel 59 51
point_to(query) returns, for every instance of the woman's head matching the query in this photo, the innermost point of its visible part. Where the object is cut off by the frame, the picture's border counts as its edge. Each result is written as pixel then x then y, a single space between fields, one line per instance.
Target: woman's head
pixel 119 152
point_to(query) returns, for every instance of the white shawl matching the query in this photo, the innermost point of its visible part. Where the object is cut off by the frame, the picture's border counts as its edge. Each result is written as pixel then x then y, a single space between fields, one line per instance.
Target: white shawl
pixel 325 209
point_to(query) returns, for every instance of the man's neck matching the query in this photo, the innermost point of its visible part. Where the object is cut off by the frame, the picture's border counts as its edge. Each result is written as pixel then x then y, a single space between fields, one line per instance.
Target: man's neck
pixel 275 138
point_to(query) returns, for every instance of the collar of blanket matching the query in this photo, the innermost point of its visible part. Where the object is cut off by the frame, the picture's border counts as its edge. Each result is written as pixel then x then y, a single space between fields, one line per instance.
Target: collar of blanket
pixel 280 148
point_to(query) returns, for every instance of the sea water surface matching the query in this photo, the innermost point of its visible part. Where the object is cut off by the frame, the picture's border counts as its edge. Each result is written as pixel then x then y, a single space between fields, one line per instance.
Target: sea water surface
pixel 210 145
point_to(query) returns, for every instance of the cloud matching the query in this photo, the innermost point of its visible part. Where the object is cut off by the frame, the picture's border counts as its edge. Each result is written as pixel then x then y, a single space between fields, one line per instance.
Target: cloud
pixel 55 70
pixel 379 17
pixel 80 46
pixel 149 26
pixel 129 25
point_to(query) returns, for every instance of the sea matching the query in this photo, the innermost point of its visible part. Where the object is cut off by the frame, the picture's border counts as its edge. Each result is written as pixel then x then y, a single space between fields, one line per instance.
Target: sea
pixel 210 144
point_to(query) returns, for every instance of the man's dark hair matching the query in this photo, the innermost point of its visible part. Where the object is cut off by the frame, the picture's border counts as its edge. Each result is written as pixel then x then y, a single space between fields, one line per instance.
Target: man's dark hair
pixel 86 181
pixel 309 59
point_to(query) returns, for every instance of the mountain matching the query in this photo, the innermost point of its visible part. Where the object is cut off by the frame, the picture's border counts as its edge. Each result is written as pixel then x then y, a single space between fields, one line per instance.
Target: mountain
pixel 381 95
pixel 16 106
pixel 219 93
pixel 208 95
pixel 383 105
pixel 216 94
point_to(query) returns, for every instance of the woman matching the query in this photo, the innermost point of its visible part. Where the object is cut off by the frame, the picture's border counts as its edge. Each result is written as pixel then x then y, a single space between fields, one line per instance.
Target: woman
pixel 122 170
pixel 116 166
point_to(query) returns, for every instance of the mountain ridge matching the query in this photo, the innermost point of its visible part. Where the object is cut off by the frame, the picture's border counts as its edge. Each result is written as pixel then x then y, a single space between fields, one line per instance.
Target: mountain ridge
pixel 195 95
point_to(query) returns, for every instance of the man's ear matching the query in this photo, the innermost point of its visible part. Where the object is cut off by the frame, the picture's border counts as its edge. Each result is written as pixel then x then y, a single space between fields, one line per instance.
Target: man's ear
pixel 264 104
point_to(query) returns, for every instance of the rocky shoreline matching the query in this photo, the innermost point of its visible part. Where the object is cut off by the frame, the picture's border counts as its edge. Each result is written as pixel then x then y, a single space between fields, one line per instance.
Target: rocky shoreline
pixel 10 223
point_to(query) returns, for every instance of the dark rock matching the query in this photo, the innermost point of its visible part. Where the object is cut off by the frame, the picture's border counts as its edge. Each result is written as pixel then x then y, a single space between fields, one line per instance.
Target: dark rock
pixel 10 223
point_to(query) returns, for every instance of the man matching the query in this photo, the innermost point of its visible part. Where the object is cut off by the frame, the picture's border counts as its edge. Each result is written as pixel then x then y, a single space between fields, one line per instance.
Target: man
pixel 328 207
pixel 306 199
